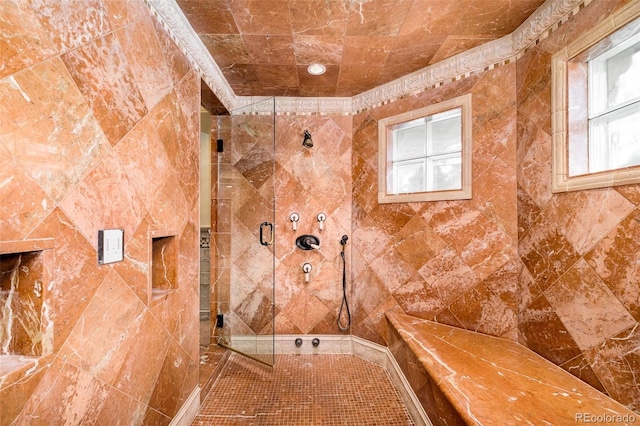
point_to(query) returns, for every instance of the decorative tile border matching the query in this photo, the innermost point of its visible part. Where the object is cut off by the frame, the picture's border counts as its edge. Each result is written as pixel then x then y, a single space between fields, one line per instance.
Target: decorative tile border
pixel 538 26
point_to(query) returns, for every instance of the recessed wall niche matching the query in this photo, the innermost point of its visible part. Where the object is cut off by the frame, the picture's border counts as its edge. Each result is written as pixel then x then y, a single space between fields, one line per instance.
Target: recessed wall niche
pixel 164 264
pixel 25 328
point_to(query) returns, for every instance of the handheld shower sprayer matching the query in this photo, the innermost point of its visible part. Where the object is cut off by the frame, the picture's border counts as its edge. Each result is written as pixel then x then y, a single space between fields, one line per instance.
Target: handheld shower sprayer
pixel 344 325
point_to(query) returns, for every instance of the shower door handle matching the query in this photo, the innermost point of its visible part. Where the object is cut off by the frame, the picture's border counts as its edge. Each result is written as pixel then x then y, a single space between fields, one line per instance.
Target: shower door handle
pixel 270 236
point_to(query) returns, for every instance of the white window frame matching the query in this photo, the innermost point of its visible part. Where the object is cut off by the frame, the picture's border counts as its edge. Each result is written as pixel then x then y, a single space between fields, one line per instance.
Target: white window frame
pixel 589 49
pixel 387 167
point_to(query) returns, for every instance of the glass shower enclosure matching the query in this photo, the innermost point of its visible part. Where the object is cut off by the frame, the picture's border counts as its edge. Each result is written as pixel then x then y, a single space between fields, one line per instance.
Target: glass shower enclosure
pixel 243 216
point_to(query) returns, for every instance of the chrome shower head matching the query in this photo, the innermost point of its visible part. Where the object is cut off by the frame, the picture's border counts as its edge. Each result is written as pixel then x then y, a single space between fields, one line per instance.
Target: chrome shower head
pixel 307 141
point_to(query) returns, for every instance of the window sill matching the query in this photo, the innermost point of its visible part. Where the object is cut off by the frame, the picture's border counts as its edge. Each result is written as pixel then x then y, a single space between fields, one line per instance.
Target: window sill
pixel 464 194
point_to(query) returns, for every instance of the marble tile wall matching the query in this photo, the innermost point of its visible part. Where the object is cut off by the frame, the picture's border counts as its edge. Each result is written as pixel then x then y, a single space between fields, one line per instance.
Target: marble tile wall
pixel 453 261
pixel 578 278
pixel 305 181
pixel 100 129
pixel 309 181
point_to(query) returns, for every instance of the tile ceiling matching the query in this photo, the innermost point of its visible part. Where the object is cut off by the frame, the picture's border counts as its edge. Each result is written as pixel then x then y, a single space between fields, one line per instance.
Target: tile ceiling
pixel 264 47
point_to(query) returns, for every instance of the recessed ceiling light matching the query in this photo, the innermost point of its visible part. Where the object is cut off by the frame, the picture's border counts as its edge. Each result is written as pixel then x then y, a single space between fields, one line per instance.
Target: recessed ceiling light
pixel 316 69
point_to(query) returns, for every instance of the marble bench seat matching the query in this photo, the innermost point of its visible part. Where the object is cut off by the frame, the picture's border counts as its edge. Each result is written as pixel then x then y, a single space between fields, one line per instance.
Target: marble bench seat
pixel 463 377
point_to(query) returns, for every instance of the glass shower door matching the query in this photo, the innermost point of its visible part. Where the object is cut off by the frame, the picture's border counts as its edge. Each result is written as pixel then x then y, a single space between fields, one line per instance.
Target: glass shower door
pixel 244 205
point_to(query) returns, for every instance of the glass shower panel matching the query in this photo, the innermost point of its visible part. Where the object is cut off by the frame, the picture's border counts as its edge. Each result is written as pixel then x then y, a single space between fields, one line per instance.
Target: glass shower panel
pixel 244 204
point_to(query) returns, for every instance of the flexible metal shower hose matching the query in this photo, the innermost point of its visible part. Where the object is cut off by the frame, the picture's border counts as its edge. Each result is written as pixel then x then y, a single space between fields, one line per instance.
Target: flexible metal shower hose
pixel 345 303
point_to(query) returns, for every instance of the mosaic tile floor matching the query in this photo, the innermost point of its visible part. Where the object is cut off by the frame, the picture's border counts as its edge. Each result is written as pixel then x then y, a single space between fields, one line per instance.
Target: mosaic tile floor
pixel 303 390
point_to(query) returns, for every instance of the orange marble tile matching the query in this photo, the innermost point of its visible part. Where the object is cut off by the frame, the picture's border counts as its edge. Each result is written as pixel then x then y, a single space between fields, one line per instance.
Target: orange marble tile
pixel 458 43
pixel 325 49
pixel 586 306
pixel 101 71
pixel 492 306
pixel 631 193
pixel 169 210
pixel 527 211
pixel 365 187
pixel 371 239
pixel 143 144
pixel 391 269
pixel 166 397
pixel 144 355
pixel 603 209
pixel 308 18
pixel 76 274
pixel 364 137
pixel 534 93
pixel 20 383
pixel 91 204
pixel 448 273
pixel 146 61
pixel 419 299
pixel 483 311
pixel 380 18
pixel 546 252
pixel 615 260
pixel 579 367
pixel 123 12
pixel 177 61
pixel 368 293
pixel 189 243
pixel 392 218
pixel 21 49
pixel 535 167
pixel 528 290
pixel 542 331
pixel 199 13
pixel 24 203
pixel 267 17
pixel 51 400
pixel 71 23
pixel 615 362
pixel 418 243
pixel 126 407
pixel 106 330
pixel 357 49
pixel 48 122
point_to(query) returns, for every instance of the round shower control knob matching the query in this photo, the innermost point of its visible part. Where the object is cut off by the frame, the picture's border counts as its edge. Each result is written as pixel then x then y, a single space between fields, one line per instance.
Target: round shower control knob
pixel 321 218
pixel 294 217
pixel 306 268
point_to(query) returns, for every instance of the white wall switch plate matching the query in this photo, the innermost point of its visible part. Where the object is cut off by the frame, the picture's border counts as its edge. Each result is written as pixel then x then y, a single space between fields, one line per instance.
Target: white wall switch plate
pixel 110 246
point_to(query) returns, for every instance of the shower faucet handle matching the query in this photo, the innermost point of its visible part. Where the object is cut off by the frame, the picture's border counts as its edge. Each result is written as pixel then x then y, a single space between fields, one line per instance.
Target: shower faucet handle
pixel 321 218
pixel 294 217
pixel 306 268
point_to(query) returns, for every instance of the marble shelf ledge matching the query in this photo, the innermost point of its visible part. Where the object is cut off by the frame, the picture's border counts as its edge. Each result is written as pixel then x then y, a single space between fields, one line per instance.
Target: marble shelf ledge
pixel 16 368
pixel 478 379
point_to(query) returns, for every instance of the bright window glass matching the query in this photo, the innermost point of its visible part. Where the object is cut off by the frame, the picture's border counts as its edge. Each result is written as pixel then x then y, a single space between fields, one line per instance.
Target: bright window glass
pixel 614 107
pixel 427 153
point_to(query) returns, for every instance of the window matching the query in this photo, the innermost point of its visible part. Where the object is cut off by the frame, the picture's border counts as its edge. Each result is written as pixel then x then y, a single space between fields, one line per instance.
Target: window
pixel 596 97
pixel 425 155
pixel 614 107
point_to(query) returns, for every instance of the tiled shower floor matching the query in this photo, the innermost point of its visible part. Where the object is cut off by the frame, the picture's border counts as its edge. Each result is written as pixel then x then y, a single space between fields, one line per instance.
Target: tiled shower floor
pixel 303 390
